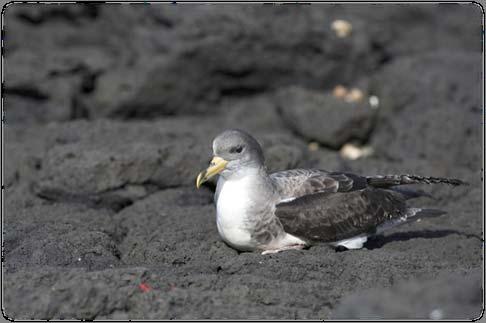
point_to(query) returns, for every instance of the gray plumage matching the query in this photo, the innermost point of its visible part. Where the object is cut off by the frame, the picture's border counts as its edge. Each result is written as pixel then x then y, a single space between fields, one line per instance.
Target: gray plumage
pixel 293 208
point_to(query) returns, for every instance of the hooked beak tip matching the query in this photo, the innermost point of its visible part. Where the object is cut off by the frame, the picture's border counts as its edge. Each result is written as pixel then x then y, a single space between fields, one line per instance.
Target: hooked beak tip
pixel 216 166
pixel 200 179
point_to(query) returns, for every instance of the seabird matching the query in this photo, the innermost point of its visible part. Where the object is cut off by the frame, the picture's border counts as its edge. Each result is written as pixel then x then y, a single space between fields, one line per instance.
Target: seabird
pixel 295 208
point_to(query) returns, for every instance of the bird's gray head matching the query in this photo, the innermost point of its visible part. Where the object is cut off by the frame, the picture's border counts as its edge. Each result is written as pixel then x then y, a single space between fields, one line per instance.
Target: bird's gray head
pixel 233 151
pixel 238 148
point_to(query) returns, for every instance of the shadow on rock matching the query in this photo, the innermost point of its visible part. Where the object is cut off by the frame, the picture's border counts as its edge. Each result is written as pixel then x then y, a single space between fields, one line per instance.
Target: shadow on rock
pixel 381 240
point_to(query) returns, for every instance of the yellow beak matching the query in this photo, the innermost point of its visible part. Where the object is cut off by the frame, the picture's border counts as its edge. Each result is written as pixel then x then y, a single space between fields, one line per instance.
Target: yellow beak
pixel 216 166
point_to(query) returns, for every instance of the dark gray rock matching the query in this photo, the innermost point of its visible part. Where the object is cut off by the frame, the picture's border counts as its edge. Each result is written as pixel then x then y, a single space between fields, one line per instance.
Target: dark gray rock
pixel 455 27
pixel 38 15
pixel 56 53
pixel 118 92
pixel 48 293
pixel 207 65
pixel 327 159
pixel 324 118
pixel 24 110
pixel 454 296
pixel 25 147
pixel 187 59
pixel 256 113
pixel 283 151
pixel 153 229
pixel 436 97
pixel 113 163
pixel 58 235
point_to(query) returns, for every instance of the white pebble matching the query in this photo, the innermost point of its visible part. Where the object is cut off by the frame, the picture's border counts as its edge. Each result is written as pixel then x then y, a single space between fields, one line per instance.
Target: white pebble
pixel 339 91
pixel 374 101
pixel 436 314
pixel 313 146
pixel 342 28
pixel 354 95
pixel 352 152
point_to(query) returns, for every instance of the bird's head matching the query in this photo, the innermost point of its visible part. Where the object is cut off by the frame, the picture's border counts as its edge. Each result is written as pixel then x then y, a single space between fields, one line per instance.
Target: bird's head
pixel 234 151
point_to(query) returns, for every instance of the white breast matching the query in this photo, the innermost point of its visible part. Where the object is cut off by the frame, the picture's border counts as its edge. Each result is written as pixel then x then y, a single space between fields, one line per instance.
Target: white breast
pixel 232 213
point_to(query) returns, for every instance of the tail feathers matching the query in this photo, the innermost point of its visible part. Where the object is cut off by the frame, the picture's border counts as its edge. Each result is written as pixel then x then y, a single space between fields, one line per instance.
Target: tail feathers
pixel 416 213
pixel 392 180
pixel 411 215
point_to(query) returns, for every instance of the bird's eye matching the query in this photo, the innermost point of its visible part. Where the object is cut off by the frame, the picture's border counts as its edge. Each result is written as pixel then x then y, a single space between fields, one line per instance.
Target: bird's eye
pixel 236 149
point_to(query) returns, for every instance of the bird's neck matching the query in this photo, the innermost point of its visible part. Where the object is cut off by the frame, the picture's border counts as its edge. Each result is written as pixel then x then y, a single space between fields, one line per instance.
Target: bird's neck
pixel 254 181
pixel 246 172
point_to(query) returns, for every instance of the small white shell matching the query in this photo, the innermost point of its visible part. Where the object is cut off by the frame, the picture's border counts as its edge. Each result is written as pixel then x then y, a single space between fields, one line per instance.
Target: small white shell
pixel 342 28
pixel 339 91
pixel 313 146
pixel 352 152
pixel 374 101
pixel 354 95
pixel 436 314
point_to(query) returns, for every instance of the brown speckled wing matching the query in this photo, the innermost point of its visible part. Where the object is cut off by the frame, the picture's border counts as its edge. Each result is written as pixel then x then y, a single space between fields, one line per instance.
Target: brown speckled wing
pixel 335 216
pixel 300 182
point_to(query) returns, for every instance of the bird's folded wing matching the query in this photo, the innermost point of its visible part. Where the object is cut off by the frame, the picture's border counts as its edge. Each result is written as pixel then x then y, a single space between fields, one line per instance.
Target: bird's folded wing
pixel 332 216
pixel 295 183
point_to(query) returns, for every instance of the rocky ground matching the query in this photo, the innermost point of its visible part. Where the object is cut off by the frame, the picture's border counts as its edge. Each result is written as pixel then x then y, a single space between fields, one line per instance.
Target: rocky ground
pixel 110 114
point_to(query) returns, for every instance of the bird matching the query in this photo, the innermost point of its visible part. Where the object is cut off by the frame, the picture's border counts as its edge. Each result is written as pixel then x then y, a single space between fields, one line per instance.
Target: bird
pixel 298 208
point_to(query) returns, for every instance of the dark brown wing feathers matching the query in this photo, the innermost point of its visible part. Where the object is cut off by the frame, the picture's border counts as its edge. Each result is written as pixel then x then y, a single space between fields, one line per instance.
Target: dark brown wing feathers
pixel 337 216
